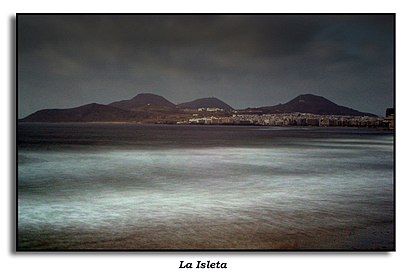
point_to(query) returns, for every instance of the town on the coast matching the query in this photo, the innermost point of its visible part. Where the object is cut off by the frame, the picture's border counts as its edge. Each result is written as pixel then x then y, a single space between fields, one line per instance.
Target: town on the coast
pixel 292 119
pixel 148 108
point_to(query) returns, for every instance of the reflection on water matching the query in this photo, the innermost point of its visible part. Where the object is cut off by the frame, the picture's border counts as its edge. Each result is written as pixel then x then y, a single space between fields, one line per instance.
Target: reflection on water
pixel 86 186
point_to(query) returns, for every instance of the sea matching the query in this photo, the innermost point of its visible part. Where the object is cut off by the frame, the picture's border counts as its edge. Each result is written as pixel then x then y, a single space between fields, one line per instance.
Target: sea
pixel 98 186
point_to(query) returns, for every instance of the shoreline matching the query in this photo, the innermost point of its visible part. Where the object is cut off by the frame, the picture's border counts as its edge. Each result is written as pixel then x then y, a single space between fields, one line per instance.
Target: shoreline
pixel 207 125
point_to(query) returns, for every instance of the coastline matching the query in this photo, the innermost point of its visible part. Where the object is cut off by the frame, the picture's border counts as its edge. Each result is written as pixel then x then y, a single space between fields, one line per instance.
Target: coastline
pixel 205 125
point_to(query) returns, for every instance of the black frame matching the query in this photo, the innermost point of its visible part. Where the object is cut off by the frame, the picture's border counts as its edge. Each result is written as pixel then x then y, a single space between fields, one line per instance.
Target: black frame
pixel 15 126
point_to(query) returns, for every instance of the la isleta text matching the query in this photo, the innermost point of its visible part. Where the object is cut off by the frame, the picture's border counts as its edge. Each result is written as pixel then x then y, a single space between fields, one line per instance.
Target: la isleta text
pixel 201 264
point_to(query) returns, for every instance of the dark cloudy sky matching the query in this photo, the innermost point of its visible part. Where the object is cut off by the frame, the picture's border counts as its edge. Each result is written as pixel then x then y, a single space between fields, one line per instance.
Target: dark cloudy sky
pixel 245 60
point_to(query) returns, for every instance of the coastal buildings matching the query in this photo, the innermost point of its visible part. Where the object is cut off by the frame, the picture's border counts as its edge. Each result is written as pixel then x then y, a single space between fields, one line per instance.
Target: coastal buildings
pixel 295 119
pixel 211 109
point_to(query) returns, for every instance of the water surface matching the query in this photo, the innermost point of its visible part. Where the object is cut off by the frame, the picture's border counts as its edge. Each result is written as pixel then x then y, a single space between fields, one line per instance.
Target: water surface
pixel 125 186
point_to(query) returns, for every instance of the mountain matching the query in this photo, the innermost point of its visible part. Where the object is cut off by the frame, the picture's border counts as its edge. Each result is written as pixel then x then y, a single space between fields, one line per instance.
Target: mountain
pixel 144 100
pixel 309 103
pixel 206 103
pixel 87 113
pixel 151 108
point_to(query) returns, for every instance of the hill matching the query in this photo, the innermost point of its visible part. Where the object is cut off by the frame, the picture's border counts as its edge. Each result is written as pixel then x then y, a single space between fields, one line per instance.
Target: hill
pixel 151 108
pixel 144 100
pixel 309 103
pixel 211 102
pixel 87 113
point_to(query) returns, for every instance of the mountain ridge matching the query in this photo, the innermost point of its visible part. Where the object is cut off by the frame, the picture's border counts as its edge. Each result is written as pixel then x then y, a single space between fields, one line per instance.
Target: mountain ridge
pixel 154 107
pixel 87 113
pixel 310 103
pixel 142 100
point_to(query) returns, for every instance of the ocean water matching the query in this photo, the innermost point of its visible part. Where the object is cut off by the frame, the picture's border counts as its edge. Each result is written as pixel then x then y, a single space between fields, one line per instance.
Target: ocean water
pixel 125 186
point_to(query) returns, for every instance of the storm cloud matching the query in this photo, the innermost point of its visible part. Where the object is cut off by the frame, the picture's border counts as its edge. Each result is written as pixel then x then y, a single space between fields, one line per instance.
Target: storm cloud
pixel 245 60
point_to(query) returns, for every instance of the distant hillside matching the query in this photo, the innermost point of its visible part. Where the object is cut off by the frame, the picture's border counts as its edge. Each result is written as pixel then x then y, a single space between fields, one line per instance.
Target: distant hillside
pixel 143 100
pixel 309 103
pixel 87 113
pixel 151 108
pixel 206 103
